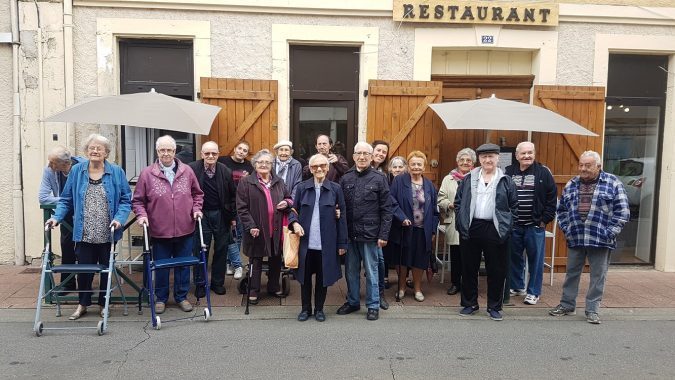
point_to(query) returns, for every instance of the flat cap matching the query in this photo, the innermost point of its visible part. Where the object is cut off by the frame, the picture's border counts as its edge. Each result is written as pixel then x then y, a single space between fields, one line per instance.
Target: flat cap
pixel 488 148
pixel 283 143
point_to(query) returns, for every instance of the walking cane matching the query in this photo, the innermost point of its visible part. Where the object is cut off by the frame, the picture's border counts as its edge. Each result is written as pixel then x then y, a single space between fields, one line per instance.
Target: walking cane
pixel 248 284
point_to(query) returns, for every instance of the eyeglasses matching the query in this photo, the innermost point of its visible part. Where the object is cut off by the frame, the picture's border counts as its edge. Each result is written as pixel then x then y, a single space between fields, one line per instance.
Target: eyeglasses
pixel 95 148
pixel 215 154
pixel 362 153
pixel 263 163
pixel 322 166
pixel 165 151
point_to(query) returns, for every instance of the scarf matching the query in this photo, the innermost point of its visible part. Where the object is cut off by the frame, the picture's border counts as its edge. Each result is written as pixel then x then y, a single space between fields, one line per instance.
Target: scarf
pixel 168 171
pixel 457 175
pixel 281 168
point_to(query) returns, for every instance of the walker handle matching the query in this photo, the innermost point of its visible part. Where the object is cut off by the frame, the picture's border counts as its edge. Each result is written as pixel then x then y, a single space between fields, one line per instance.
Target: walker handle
pixel 201 232
pixel 112 239
pixel 145 237
pixel 48 237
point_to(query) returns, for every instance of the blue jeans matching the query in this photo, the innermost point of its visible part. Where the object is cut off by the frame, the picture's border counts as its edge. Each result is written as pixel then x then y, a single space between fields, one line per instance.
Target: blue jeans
pixel 164 249
pixel 381 269
pixel 530 239
pixel 369 253
pixel 233 255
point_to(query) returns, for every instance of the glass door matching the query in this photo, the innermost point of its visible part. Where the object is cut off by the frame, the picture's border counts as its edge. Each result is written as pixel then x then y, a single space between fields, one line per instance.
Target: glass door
pixel 332 118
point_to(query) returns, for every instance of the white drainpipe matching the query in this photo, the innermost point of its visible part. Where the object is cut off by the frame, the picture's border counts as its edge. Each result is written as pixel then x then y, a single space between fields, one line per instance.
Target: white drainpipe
pixel 68 64
pixel 17 180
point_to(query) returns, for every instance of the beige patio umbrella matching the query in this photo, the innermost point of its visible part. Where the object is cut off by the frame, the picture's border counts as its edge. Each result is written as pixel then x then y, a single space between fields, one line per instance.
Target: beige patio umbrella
pixel 144 109
pixel 506 115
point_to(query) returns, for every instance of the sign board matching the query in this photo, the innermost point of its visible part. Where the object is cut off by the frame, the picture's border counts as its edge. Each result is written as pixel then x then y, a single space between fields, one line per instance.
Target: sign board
pixel 476 12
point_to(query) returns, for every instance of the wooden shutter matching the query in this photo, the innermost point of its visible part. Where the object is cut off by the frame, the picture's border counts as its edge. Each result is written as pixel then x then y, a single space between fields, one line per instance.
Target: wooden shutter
pixel 398 112
pixel 249 112
pixel 586 106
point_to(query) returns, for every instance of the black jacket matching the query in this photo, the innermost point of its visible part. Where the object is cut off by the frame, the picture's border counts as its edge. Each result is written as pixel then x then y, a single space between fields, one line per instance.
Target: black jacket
pixel 227 192
pixel 369 208
pixel 545 190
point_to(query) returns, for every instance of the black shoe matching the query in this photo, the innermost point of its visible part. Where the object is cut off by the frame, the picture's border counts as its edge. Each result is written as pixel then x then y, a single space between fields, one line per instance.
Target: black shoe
pixel 303 316
pixel 218 289
pixel 387 285
pixel 409 284
pixel 319 315
pixel 453 290
pixel 384 305
pixel 278 294
pixel 373 315
pixel 200 291
pixel 348 309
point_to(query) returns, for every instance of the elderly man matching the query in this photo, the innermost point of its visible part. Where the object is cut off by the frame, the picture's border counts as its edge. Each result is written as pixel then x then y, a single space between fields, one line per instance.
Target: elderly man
pixel 593 210
pixel 369 213
pixel 536 208
pixel 168 199
pixel 219 209
pixel 337 164
pixel 53 181
pixel 286 167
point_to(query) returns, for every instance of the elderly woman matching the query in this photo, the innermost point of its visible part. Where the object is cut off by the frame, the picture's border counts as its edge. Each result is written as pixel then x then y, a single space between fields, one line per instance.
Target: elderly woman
pixel 397 165
pixel 168 199
pixel 446 199
pixel 262 202
pixel 98 195
pixel 416 208
pixel 324 236
pixel 286 167
pixel 54 179
pixel 485 209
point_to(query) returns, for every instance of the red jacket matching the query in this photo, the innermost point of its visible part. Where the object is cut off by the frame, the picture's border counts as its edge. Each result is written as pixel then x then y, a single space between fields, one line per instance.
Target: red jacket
pixel 169 209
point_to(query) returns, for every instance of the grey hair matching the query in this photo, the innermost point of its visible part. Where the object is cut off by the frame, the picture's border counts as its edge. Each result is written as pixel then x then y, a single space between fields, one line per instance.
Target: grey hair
pixel 260 154
pixel 167 138
pixel 397 159
pixel 316 157
pixel 59 154
pixel 95 137
pixel 594 154
pixel 466 152
pixel 520 145
pixel 363 144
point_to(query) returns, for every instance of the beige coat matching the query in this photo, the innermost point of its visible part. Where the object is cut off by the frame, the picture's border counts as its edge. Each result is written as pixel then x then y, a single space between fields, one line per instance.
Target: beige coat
pixel 446 199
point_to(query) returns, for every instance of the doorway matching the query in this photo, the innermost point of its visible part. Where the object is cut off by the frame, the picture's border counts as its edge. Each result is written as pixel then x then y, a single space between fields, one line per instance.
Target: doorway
pixel 330 118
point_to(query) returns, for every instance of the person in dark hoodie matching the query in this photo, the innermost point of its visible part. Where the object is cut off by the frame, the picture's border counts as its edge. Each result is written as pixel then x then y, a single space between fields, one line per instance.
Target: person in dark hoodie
pixel 536 208
pixel 485 208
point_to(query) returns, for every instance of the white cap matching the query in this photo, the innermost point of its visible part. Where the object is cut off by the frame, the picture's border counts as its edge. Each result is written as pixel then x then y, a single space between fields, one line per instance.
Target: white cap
pixel 283 143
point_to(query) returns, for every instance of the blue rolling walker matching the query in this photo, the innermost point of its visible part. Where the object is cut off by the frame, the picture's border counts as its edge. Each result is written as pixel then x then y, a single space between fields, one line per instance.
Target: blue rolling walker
pixel 150 265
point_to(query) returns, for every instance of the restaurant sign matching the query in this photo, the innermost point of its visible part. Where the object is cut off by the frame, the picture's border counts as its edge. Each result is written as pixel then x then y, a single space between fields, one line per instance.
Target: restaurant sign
pixel 476 12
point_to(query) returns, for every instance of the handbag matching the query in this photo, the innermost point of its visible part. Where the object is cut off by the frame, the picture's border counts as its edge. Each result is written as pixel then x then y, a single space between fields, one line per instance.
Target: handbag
pixel 291 248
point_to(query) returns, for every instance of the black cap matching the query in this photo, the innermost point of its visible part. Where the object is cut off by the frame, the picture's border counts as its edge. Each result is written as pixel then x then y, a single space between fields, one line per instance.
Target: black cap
pixel 488 148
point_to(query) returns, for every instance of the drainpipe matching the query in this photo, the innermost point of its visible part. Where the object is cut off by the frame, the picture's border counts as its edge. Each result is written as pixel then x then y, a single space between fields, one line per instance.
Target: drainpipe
pixel 68 64
pixel 17 181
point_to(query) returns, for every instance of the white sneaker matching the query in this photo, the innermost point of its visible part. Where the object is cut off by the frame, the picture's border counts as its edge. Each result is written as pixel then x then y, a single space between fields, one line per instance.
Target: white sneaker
pixel 517 292
pixel 229 271
pixel 238 273
pixel 531 299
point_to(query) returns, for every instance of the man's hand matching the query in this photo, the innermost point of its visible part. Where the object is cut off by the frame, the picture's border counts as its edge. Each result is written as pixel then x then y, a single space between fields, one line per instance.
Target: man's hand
pixel 406 223
pixel 332 158
pixel 298 230
pixel 381 243
pixel 342 251
pixel 142 220
pixel 337 212
pixel 254 232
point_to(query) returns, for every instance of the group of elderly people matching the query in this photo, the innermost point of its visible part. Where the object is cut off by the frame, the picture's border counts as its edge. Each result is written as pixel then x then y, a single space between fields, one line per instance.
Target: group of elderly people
pixel 380 213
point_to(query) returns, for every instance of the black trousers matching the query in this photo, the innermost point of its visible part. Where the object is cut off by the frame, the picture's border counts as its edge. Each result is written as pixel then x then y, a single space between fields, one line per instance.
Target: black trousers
pixel 483 239
pixel 217 230
pixel 67 253
pixel 273 274
pixel 313 264
pixel 88 253
pixel 456 266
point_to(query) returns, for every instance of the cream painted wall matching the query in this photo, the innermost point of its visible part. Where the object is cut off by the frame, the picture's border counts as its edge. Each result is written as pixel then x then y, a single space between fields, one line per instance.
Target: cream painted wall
pixel 7 236
pixel 480 62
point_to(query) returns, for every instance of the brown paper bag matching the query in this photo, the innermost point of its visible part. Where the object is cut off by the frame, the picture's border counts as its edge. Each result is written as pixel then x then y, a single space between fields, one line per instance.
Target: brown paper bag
pixel 291 248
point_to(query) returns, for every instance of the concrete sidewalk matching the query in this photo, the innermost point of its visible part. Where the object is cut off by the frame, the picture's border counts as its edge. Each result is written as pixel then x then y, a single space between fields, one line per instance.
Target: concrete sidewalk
pixel 625 288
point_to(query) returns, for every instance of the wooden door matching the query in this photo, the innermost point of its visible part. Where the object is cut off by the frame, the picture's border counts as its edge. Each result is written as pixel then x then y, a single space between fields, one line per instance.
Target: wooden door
pixel 249 112
pixel 398 112
pixel 560 152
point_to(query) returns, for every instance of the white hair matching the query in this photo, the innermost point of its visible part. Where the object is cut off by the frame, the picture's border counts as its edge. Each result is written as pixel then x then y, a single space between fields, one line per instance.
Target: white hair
pixel 59 154
pixel 95 137
pixel 595 155
pixel 466 152
pixel 165 138
pixel 523 143
pixel 363 144
pixel 260 154
pixel 316 157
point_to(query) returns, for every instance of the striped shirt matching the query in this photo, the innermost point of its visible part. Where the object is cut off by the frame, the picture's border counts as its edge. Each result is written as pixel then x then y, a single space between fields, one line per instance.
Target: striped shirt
pixel 525 188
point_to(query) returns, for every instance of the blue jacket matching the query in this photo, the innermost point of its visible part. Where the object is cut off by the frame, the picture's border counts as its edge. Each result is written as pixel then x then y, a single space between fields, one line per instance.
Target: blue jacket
pixel 333 231
pixel 401 192
pixel 608 214
pixel 72 198
pixel 293 175
pixel 50 186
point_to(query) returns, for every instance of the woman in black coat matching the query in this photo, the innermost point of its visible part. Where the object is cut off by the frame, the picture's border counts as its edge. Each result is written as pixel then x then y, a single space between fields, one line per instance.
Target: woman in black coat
pixel 324 236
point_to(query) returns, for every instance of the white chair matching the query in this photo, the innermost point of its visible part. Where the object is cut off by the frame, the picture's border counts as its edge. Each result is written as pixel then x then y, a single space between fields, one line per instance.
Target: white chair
pixel 552 235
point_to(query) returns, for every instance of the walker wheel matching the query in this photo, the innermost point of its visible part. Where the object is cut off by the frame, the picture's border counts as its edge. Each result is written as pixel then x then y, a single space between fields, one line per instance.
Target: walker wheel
pixel 158 323
pixel 285 285
pixel 243 286
pixel 99 328
pixel 39 327
pixel 207 314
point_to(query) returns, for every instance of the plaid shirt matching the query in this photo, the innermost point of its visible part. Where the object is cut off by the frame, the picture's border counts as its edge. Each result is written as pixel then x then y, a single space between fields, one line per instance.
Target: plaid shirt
pixel 607 216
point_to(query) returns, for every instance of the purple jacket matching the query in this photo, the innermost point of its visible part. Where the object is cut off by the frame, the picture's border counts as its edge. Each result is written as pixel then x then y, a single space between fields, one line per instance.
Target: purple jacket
pixel 169 209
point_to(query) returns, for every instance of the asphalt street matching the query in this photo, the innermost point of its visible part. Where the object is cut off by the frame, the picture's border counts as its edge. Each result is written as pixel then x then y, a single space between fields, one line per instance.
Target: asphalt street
pixel 420 343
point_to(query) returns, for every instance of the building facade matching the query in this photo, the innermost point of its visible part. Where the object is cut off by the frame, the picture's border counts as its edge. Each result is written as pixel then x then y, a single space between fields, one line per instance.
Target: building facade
pixel 357 71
